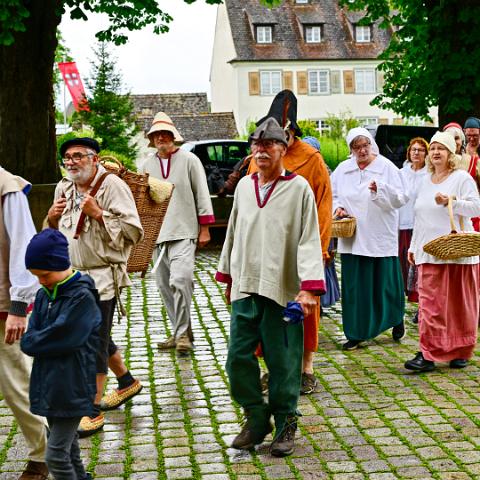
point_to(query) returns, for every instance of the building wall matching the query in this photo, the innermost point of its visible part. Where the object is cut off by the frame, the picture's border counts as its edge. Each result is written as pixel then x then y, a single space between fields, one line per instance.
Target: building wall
pixel 222 75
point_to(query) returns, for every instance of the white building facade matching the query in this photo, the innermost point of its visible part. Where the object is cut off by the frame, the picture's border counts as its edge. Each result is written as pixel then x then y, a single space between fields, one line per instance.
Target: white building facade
pixel 312 47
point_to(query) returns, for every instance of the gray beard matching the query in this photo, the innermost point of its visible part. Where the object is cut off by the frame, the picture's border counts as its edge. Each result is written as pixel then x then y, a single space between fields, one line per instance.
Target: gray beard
pixel 82 177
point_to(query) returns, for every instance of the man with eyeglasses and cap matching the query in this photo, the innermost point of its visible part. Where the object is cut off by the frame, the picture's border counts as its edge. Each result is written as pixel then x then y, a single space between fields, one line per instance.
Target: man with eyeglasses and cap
pixel 271 256
pixel 97 214
pixel 472 135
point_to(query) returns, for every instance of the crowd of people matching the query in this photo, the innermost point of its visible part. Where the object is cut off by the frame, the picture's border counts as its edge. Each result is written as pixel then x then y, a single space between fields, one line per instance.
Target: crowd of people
pixel 70 275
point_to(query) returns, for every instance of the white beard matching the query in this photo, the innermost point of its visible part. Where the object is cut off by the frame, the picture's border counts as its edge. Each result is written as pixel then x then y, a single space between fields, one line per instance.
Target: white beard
pixel 82 176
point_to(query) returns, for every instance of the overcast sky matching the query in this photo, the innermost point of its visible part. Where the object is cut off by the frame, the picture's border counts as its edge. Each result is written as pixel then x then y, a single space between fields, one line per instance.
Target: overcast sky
pixel 177 61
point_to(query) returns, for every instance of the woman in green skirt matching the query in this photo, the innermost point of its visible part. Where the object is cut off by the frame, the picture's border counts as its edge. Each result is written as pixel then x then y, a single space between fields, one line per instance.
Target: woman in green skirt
pixel 370 188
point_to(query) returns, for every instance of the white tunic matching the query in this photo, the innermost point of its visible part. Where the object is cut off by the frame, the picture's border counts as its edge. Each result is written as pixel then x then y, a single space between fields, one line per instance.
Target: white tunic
pixel 376 234
pixel 432 220
pixel 412 180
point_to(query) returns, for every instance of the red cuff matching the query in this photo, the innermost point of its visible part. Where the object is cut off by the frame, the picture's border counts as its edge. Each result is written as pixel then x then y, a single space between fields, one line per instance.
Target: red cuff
pixel 223 277
pixel 317 287
pixel 206 219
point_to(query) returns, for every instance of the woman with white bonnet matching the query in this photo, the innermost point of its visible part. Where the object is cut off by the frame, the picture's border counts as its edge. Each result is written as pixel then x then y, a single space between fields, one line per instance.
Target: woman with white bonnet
pixel 370 188
pixel 447 289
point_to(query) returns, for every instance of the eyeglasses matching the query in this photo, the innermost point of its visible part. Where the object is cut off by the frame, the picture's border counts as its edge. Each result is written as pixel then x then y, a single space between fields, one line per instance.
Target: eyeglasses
pixel 75 157
pixel 418 150
pixel 357 148
pixel 264 143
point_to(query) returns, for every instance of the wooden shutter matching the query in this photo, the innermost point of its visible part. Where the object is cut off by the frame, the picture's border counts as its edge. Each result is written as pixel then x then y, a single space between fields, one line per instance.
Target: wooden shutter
pixel 254 83
pixel 288 80
pixel 383 121
pixel 302 83
pixel 348 81
pixel 380 81
pixel 398 121
pixel 335 86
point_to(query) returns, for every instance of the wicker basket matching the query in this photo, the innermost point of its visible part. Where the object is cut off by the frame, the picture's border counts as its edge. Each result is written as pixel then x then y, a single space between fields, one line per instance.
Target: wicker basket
pixel 150 212
pixel 454 245
pixel 343 227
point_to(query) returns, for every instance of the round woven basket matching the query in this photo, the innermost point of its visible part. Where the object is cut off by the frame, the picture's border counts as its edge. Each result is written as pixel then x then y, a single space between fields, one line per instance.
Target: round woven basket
pixel 343 227
pixel 454 245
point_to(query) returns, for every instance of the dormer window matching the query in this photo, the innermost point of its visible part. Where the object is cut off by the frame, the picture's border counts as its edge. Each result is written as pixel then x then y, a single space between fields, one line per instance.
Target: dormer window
pixel 264 33
pixel 313 33
pixel 363 33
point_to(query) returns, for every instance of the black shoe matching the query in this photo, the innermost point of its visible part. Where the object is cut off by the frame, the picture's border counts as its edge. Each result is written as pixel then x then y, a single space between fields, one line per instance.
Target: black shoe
pixel 398 331
pixel 309 383
pixel 351 345
pixel 419 364
pixel 247 438
pixel 415 318
pixel 284 444
pixel 458 363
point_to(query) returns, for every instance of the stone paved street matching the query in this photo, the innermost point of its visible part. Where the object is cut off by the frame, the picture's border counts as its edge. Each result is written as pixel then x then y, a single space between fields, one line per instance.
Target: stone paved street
pixel 369 419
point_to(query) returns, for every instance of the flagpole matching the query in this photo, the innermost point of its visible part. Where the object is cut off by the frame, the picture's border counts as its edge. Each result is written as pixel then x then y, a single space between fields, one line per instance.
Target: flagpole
pixel 64 103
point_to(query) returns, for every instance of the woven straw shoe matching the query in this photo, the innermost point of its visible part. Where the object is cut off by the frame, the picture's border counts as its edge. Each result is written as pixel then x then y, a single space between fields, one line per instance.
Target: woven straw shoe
pixel 115 398
pixel 88 426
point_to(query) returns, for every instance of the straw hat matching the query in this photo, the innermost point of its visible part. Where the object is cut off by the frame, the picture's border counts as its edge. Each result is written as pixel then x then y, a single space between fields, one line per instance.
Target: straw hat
pixel 163 122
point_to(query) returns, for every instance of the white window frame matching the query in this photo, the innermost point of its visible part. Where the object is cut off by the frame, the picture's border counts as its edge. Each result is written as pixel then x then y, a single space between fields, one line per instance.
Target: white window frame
pixel 266 77
pixel 315 33
pixel 316 73
pixel 301 1
pixel 364 121
pixel 362 77
pixel 363 33
pixel 264 33
pixel 322 126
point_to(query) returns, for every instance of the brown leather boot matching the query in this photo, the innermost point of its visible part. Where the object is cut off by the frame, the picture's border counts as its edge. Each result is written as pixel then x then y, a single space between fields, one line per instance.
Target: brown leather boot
pixel 34 471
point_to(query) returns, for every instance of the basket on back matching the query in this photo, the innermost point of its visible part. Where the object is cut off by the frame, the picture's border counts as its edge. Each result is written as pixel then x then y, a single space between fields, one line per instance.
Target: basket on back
pixel 343 227
pixel 454 245
pixel 151 197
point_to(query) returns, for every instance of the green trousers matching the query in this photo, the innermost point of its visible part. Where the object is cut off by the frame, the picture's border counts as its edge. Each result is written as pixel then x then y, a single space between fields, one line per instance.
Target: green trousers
pixel 373 299
pixel 255 320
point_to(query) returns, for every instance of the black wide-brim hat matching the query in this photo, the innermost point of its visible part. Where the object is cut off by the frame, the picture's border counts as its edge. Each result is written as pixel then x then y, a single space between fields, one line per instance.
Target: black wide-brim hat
pixel 82 141
pixel 282 109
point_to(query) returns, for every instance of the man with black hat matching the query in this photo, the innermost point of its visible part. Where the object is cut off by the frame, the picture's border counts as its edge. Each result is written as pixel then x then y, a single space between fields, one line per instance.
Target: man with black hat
pixel 472 134
pixel 17 290
pixel 306 161
pixel 97 214
pixel 271 255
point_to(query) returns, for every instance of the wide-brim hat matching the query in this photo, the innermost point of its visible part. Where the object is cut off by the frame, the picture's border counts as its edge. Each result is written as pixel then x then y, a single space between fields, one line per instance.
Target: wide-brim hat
pixel 269 130
pixel 284 110
pixel 163 122
pixel 80 141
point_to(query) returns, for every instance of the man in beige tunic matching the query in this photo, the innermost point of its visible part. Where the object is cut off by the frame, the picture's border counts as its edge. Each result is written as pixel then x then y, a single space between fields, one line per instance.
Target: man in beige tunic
pixel 274 210
pixel 185 226
pixel 17 290
pixel 99 247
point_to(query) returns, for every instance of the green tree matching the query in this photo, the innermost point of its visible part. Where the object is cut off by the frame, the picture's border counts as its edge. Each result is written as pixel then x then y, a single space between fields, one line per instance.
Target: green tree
pixel 110 112
pixel 27 54
pixel 433 58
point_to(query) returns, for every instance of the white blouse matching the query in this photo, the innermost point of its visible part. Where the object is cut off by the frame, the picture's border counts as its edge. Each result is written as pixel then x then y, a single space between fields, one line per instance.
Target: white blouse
pixel 376 234
pixel 412 180
pixel 432 220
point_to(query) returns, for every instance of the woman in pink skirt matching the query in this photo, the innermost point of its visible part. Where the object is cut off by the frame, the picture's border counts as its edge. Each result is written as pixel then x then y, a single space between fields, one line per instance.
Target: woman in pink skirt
pixel 448 289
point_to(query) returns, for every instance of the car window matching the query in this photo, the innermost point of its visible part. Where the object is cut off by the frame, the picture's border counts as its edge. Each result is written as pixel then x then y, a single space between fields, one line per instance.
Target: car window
pixel 234 153
pixel 214 153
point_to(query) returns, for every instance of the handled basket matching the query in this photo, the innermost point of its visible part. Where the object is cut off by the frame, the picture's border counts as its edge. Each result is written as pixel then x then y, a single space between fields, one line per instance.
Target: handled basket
pixel 151 206
pixel 454 245
pixel 343 227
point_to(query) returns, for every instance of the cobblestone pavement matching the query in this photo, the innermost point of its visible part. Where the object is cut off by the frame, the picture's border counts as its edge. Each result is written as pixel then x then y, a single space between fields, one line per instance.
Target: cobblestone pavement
pixel 370 418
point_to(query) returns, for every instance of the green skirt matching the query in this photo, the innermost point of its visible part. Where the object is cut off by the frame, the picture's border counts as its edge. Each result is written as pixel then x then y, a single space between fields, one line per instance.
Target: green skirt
pixel 372 295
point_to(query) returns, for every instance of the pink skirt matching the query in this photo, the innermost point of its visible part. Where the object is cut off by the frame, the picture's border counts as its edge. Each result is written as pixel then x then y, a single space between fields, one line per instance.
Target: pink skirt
pixel 448 313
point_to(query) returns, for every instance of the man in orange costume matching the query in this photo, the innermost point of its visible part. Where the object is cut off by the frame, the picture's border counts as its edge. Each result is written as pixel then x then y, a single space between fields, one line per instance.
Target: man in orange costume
pixel 306 161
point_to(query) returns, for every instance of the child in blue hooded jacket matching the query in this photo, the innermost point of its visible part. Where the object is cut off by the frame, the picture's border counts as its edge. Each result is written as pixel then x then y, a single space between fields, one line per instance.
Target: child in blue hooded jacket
pixel 62 337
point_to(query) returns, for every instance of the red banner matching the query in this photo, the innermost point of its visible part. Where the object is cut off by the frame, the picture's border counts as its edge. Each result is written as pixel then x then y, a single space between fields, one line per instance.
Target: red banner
pixel 74 83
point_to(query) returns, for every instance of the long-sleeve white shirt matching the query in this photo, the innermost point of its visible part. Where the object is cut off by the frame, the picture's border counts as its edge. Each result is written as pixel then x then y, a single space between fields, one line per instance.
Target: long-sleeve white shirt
pixel 412 180
pixel 376 234
pixel 20 229
pixel 432 220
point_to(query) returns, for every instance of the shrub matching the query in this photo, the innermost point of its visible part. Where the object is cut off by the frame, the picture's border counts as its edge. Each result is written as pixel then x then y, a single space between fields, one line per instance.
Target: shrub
pixel 333 151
